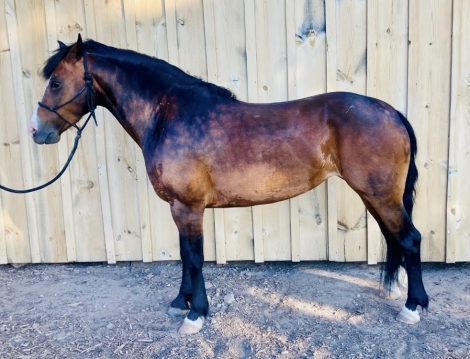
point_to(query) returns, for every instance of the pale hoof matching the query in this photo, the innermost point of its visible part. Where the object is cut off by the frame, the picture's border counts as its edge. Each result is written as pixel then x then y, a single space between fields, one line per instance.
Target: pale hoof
pixel 393 293
pixel 191 326
pixel 408 316
pixel 176 312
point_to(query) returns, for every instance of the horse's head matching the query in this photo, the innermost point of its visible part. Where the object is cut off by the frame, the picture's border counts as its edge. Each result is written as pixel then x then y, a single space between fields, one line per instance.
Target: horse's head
pixel 65 98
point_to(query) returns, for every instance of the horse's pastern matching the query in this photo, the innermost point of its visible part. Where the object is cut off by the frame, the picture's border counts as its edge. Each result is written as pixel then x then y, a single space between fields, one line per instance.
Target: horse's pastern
pixel 176 312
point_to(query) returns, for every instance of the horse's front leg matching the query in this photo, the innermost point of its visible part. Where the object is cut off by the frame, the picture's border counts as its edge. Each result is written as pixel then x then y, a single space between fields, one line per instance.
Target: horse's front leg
pixel 180 305
pixel 192 295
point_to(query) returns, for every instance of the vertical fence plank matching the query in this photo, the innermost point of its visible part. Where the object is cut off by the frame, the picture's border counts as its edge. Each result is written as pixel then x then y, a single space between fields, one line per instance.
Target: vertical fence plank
pixel 228 69
pixel 351 76
pixel 67 138
pixel 152 24
pixel 458 195
pixel 214 240
pixel 387 66
pixel 428 111
pixel 5 79
pixel 214 230
pixel 120 151
pixel 105 200
pixel 186 45
pixel 209 235
pixel 172 37
pixel 252 95
pixel 220 245
pixel 332 183
pixel 211 40
pixel 292 95
pixel 26 250
pixel 142 11
pixel 212 76
pixel 192 59
pixel 311 72
pixel 165 240
pixel 14 239
pixel 272 86
pixel 52 227
pixel 190 37
pixel 82 206
pixel 230 45
pixel 26 27
pixel 3 243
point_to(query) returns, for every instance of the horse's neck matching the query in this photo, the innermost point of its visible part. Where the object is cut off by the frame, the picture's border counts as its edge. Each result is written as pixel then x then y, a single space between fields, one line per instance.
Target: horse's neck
pixel 127 104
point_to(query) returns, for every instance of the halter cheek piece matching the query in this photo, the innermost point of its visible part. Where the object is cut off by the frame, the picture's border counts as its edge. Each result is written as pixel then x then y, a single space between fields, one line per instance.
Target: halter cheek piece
pixel 91 108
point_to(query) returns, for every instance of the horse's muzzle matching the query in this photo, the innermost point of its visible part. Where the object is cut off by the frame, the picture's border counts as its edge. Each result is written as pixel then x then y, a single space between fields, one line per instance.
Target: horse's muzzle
pixel 41 137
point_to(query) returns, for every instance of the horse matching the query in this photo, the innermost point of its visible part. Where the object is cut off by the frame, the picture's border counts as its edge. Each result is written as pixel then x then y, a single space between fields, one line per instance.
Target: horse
pixel 203 148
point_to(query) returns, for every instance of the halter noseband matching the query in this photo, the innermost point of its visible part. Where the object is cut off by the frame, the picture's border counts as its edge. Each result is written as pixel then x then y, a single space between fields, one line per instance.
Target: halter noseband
pixel 91 108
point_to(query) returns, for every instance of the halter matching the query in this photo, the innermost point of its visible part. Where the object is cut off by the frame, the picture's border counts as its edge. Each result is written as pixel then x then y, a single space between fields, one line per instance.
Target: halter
pixel 91 108
pixel 89 99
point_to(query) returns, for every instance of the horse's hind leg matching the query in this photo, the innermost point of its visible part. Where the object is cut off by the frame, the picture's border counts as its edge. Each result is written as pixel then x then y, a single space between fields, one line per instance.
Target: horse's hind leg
pixel 403 241
pixel 393 260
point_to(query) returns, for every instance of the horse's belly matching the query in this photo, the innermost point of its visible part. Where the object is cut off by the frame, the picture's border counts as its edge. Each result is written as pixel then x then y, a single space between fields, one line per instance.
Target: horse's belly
pixel 261 184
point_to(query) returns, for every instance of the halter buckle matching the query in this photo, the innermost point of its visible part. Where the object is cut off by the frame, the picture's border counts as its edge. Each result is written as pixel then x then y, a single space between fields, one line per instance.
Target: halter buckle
pixel 88 79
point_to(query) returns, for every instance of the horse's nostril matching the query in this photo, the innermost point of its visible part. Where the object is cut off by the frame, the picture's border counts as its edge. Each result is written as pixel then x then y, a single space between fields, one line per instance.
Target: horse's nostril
pixel 32 130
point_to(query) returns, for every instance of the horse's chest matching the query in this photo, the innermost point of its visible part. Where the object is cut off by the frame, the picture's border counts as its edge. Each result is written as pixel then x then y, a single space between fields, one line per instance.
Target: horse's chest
pixel 155 173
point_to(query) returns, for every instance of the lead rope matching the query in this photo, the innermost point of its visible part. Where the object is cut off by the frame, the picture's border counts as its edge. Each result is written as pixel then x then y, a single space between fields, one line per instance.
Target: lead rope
pixel 91 107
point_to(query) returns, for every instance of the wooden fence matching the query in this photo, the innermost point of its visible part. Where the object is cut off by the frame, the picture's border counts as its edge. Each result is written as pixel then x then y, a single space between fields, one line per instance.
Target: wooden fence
pixel 413 54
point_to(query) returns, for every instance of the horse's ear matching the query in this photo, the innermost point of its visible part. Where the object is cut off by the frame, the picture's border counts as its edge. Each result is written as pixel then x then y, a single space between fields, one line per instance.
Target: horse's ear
pixel 79 49
pixel 76 52
pixel 61 45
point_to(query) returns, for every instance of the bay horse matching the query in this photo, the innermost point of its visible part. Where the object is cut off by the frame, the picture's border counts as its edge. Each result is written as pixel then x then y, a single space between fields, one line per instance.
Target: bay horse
pixel 203 148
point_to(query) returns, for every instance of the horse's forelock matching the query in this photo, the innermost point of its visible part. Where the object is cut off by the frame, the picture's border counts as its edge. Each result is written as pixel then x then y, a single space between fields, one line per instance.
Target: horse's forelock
pixel 54 60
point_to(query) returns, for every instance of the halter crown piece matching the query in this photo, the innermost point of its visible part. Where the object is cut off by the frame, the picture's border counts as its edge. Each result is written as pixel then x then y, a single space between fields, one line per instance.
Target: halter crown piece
pixel 91 108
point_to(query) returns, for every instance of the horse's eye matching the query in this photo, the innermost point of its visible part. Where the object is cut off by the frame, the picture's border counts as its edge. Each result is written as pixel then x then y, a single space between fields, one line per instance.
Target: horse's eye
pixel 55 85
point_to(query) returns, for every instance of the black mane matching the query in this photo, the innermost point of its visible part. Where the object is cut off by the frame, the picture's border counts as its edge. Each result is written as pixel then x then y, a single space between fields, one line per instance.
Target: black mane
pixel 152 64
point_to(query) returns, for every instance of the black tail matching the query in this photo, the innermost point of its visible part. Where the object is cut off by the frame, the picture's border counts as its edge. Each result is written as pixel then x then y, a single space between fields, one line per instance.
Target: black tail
pixel 394 256
pixel 412 176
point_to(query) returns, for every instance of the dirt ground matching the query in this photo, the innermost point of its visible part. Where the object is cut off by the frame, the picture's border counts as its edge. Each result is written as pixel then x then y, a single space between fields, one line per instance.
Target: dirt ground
pixel 270 310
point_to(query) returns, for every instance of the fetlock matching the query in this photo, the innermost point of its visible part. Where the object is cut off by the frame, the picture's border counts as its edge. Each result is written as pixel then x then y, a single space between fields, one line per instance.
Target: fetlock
pixel 180 302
